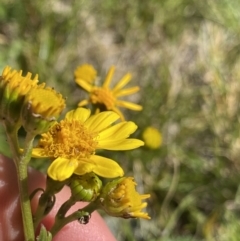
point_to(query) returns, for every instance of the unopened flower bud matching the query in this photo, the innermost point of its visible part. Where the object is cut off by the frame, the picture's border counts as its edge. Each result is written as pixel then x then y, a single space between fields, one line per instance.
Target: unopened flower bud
pixel 85 187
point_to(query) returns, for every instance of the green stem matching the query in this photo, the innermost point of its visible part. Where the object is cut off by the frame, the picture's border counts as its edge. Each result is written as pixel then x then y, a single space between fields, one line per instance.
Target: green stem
pixel 47 200
pixel 21 162
pixel 61 221
pixel 45 204
pixel 26 156
pixel 65 207
pixel 25 202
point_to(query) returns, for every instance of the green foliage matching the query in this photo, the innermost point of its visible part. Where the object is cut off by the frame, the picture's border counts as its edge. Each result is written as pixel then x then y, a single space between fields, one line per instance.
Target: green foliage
pixel 185 57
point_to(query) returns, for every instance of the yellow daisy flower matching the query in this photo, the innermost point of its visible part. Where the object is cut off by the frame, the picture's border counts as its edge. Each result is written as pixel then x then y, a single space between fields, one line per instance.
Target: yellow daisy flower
pixel 119 198
pixel 108 98
pixel 85 72
pixel 72 144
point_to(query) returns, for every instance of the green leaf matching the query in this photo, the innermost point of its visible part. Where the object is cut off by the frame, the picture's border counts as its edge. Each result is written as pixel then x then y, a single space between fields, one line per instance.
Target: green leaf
pixel 44 235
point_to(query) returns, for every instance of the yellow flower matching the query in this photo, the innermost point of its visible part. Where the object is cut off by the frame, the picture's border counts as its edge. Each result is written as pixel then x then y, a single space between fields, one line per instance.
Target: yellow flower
pixel 72 144
pixel 119 198
pixel 152 137
pixel 13 89
pixel 41 108
pixel 85 72
pixel 108 98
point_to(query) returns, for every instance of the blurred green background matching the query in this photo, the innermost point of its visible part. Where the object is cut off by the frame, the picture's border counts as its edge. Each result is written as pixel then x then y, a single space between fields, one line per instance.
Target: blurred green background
pixel 184 54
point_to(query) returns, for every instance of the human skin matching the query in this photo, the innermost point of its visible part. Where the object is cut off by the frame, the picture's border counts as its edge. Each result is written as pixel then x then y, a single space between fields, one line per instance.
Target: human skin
pixel 11 228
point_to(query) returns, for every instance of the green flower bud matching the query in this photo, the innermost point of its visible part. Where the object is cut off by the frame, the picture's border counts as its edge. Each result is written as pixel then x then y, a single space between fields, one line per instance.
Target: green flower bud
pixel 86 187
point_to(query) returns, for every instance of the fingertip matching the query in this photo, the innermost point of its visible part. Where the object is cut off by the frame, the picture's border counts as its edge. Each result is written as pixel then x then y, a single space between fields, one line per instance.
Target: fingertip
pixel 95 230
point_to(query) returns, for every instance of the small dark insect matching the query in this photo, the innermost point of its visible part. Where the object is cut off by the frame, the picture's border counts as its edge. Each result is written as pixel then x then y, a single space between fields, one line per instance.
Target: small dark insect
pixel 84 219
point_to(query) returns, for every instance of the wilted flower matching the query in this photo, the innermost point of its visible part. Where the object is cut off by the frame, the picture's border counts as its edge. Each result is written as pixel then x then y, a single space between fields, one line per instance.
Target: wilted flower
pixel 119 198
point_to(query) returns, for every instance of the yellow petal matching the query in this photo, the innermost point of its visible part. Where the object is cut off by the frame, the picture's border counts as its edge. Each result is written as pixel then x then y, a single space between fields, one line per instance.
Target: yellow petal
pixel 85 85
pixel 102 120
pixel 122 82
pixel 125 92
pixel 119 131
pixel 83 103
pixel 85 72
pixel 127 144
pixel 102 166
pixel 106 167
pixel 38 153
pixel 129 105
pixel 117 110
pixel 109 77
pixel 84 167
pixel 62 168
pixel 80 114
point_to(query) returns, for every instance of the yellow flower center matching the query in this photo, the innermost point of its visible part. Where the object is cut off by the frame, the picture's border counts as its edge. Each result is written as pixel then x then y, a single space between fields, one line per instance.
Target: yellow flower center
pixel 103 96
pixel 69 139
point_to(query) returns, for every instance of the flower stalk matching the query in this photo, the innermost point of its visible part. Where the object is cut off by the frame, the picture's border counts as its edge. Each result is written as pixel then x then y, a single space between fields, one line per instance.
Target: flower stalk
pixel 45 205
pixel 47 200
pixel 82 215
pixel 21 162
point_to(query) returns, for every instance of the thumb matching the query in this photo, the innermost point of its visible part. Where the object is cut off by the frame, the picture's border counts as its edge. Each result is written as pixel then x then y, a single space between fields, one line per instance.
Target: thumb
pixel 11 221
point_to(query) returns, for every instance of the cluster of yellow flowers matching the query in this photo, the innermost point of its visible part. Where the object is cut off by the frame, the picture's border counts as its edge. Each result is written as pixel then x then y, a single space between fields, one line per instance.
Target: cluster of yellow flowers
pixel 26 103
pixel 72 143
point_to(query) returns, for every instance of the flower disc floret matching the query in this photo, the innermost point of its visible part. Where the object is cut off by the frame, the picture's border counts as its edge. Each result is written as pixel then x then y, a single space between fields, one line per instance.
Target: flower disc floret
pixel 69 139
pixel 72 144
pixel 104 97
